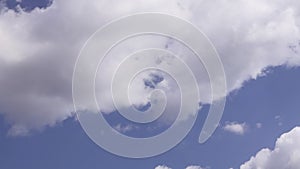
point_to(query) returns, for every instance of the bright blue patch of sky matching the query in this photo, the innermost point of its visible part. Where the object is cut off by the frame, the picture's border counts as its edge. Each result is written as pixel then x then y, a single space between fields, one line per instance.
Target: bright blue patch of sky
pixel 27 5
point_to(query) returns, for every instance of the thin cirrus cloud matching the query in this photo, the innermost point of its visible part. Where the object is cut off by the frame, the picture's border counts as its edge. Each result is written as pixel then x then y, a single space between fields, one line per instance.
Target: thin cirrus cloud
pixel 39 48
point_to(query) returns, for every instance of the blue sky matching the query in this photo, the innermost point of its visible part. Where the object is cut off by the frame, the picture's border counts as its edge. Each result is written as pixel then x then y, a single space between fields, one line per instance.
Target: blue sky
pixel 38 127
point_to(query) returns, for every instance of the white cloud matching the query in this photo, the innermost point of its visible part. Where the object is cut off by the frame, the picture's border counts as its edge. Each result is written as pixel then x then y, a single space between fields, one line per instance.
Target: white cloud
pixel 162 167
pixel 235 127
pixel 124 128
pixel 38 52
pixel 39 49
pixel 188 167
pixel 285 155
pixel 194 167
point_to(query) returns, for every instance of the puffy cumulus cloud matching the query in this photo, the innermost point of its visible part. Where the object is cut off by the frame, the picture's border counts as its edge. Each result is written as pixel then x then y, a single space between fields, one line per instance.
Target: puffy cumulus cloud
pixel 38 53
pixel 39 48
pixel 235 127
pixel 251 36
pixel 285 155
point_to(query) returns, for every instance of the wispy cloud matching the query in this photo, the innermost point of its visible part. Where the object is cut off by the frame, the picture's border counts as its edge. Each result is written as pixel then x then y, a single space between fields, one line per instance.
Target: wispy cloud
pixel 258 125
